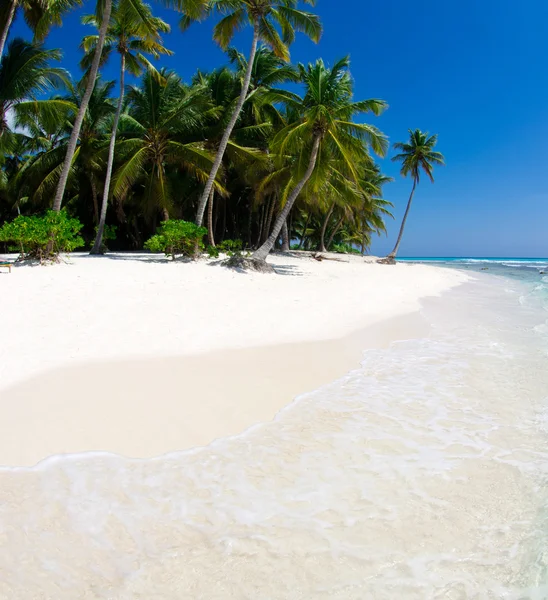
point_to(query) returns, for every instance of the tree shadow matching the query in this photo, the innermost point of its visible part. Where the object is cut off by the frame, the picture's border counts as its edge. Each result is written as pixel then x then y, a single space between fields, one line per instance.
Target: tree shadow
pixel 141 257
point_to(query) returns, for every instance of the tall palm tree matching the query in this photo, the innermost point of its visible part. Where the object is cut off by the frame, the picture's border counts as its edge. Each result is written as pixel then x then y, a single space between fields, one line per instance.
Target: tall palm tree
pixel 324 132
pixel 39 15
pixel 25 73
pixel 104 9
pixel 158 137
pixel 132 40
pixel 263 16
pixel 245 149
pixel 416 155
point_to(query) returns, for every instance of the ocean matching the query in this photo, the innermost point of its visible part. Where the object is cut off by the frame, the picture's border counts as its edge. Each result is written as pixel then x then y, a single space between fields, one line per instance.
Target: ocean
pixel 420 475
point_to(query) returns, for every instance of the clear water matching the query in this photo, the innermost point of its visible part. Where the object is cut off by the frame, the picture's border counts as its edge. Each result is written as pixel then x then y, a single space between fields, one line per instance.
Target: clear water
pixel 420 475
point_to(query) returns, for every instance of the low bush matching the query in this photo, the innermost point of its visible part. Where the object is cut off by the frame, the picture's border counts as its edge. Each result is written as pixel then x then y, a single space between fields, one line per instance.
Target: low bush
pixel 176 237
pixel 228 247
pixel 42 237
pixel 213 251
pixel 344 249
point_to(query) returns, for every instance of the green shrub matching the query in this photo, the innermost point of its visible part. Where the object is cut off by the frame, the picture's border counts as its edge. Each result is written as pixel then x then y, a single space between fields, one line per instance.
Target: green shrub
pixel 175 237
pixel 231 247
pixel 344 249
pixel 43 237
pixel 213 251
pixel 228 247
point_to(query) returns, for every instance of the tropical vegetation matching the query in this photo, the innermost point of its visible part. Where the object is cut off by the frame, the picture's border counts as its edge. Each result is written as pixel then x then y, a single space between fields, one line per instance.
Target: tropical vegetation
pixel 256 154
pixel 417 155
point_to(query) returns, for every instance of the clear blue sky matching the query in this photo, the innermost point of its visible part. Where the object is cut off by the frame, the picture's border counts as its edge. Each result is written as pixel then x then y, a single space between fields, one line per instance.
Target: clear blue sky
pixel 474 71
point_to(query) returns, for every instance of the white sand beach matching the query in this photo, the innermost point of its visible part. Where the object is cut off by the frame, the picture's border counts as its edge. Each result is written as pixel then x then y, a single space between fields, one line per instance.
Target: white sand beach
pixel 151 447
pixel 136 355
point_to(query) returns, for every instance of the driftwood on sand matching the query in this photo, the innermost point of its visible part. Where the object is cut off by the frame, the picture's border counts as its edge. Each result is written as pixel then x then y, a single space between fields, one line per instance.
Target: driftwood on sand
pixel 319 257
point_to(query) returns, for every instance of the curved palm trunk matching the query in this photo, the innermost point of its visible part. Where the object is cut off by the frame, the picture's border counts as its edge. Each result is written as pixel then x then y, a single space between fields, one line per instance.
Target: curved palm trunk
pixel 264 250
pixel 210 234
pixel 75 134
pixel 5 31
pixel 94 197
pixel 324 228
pixel 228 131
pixel 398 242
pixel 285 238
pixel 273 202
pixel 305 228
pixel 110 162
pixel 334 232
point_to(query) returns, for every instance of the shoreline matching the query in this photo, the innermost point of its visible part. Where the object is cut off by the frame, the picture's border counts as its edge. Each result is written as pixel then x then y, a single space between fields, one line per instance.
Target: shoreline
pixel 422 455
pixel 146 408
pixel 141 359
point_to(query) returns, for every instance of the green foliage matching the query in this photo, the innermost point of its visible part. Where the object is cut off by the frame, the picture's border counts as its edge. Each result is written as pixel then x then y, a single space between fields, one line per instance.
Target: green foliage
pixel 228 247
pixel 418 154
pixel 344 249
pixel 109 233
pixel 213 251
pixel 43 237
pixel 177 237
pixel 231 247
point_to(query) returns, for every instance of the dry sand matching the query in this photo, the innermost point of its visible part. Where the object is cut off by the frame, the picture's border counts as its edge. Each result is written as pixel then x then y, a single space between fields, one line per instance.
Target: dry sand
pixel 140 356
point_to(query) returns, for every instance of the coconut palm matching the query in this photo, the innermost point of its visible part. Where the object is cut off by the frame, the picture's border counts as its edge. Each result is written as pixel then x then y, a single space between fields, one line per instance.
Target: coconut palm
pixel 324 132
pixel 39 177
pixel 416 155
pixel 132 39
pixel 103 11
pixel 39 15
pixel 159 136
pixel 245 149
pixel 263 16
pixel 25 74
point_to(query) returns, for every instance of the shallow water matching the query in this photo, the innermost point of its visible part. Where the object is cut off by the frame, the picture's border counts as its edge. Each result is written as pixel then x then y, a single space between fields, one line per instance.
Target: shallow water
pixel 420 475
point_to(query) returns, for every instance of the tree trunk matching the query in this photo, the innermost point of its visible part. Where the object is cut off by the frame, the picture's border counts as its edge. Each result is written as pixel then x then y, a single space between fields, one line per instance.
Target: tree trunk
pixel 75 134
pixel 249 223
pixel 165 214
pixel 110 162
pixel 5 31
pixel 321 247
pixel 303 234
pixel 264 250
pixel 334 232
pixel 228 131
pixel 223 231
pixel 120 213
pixel 285 238
pixel 94 196
pixel 210 234
pixel 273 202
pixel 392 254
pixel 261 224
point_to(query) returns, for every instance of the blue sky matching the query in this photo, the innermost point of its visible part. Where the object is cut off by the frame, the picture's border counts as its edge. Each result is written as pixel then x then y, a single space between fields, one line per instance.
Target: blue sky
pixel 474 71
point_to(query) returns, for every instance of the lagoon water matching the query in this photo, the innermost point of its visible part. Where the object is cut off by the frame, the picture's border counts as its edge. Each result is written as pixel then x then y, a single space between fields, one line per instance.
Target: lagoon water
pixel 421 475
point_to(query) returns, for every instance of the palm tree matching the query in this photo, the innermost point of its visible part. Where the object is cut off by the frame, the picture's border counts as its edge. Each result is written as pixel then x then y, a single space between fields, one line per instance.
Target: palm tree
pixel 417 155
pixel 25 73
pixel 324 132
pixel 38 179
pixel 39 15
pixel 263 16
pixel 104 9
pixel 245 150
pixel 132 39
pixel 159 137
